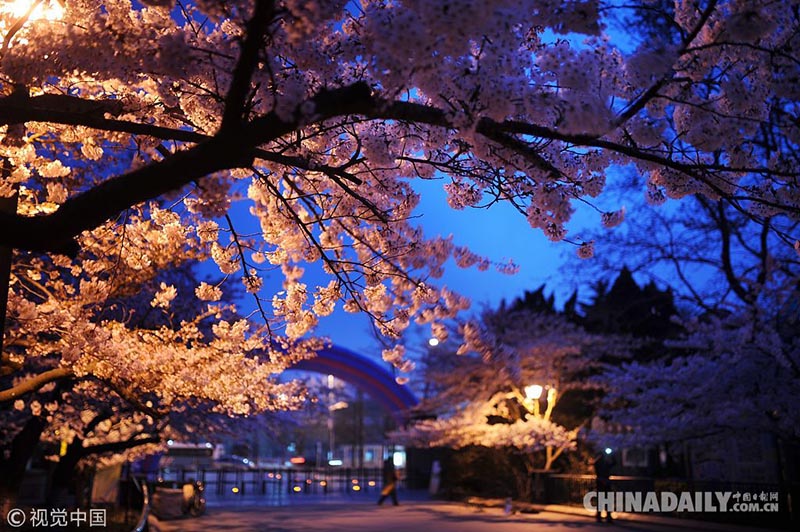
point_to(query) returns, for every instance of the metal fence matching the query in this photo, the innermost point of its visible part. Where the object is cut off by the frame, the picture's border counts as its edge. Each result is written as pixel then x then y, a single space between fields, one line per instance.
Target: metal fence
pixel 275 486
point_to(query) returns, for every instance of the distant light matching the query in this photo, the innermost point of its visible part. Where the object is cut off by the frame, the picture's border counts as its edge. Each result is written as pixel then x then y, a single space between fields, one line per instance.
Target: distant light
pixel 323 483
pixel 608 450
pixel 245 461
pixel 335 462
pixel 371 483
pixel 399 459
pixel 297 489
pixel 356 488
pixel 297 460
pixel 433 342
pixel 170 442
pixel 308 481
pixel 235 489
pixel 278 476
pixel 331 381
pixel 209 445
pixel 354 481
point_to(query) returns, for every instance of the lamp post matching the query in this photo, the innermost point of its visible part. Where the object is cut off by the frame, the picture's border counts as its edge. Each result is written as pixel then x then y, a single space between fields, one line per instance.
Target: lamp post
pixel 533 395
pixel 332 407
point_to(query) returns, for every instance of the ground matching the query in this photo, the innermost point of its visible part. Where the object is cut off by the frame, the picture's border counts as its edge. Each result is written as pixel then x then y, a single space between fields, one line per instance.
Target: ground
pixel 414 516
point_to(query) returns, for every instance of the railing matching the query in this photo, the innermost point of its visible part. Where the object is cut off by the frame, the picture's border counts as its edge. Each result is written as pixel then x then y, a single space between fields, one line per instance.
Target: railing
pixel 275 486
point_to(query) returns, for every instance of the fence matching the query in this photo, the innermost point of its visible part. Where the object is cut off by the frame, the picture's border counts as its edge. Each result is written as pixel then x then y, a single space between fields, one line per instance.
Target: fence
pixel 571 489
pixel 276 486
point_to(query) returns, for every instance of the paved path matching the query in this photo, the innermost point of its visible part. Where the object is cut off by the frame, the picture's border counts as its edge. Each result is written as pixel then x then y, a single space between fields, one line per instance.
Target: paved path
pixel 364 516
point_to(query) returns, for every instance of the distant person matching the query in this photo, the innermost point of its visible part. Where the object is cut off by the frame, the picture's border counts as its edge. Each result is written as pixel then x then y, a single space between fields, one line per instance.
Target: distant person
pixel 389 482
pixel 603 463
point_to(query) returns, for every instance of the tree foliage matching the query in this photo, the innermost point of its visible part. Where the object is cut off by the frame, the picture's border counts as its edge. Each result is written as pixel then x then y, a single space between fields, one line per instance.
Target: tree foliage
pixel 131 128
pixel 480 397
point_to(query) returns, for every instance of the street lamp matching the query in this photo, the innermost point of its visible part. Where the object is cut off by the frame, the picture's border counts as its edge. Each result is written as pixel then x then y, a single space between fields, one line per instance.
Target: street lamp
pixel 533 393
pixel 340 405
pixel 332 407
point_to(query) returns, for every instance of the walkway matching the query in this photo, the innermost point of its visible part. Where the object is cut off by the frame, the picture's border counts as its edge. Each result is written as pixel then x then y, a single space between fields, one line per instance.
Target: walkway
pixel 415 516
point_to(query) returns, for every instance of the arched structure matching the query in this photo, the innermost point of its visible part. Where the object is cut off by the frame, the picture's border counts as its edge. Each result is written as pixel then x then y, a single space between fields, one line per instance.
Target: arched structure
pixel 364 374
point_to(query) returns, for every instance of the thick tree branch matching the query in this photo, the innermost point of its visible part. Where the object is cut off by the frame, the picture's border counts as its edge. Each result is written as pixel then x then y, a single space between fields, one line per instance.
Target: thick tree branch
pixel 234 149
pixel 34 383
pixel 74 111
pixel 248 59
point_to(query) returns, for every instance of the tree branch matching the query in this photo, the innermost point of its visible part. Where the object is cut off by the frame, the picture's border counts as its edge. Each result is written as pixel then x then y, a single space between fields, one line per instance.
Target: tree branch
pixel 117 446
pixel 232 149
pixel 236 147
pixel 34 383
pixel 248 60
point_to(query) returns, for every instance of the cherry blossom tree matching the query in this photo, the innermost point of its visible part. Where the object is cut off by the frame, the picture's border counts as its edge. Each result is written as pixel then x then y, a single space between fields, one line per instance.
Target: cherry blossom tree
pixel 517 362
pixel 735 369
pixel 221 92
pixel 131 128
pixel 93 418
pixel 737 378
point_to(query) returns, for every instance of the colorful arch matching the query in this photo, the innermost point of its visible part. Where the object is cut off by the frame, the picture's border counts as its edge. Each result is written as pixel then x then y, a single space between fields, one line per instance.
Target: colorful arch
pixel 365 374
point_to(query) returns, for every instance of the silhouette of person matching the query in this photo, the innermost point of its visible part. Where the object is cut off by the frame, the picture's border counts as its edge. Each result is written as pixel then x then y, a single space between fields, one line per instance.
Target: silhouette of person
pixel 603 463
pixel 389 482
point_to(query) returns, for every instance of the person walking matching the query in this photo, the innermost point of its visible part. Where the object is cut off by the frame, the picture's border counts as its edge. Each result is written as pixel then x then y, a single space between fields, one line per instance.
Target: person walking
pixel 389 482
pixel 602 470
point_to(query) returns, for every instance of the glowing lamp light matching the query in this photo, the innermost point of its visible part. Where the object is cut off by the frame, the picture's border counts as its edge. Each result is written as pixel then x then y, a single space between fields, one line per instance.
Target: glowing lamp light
pixel 323 483
pixel 371 483
pixel 235 489
pixel 297 460
pixel 296 489
pixel 534 391
pixel 433 342
pixel 356 487
pixel 45 10
pixel 608 450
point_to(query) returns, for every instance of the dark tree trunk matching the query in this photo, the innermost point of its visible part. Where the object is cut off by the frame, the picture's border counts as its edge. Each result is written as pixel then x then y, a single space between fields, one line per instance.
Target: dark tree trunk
pixel 64 483
pixel 14 460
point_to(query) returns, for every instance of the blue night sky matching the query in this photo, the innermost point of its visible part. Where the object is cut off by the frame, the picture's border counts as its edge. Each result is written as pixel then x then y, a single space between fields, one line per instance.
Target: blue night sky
pixel 499 233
